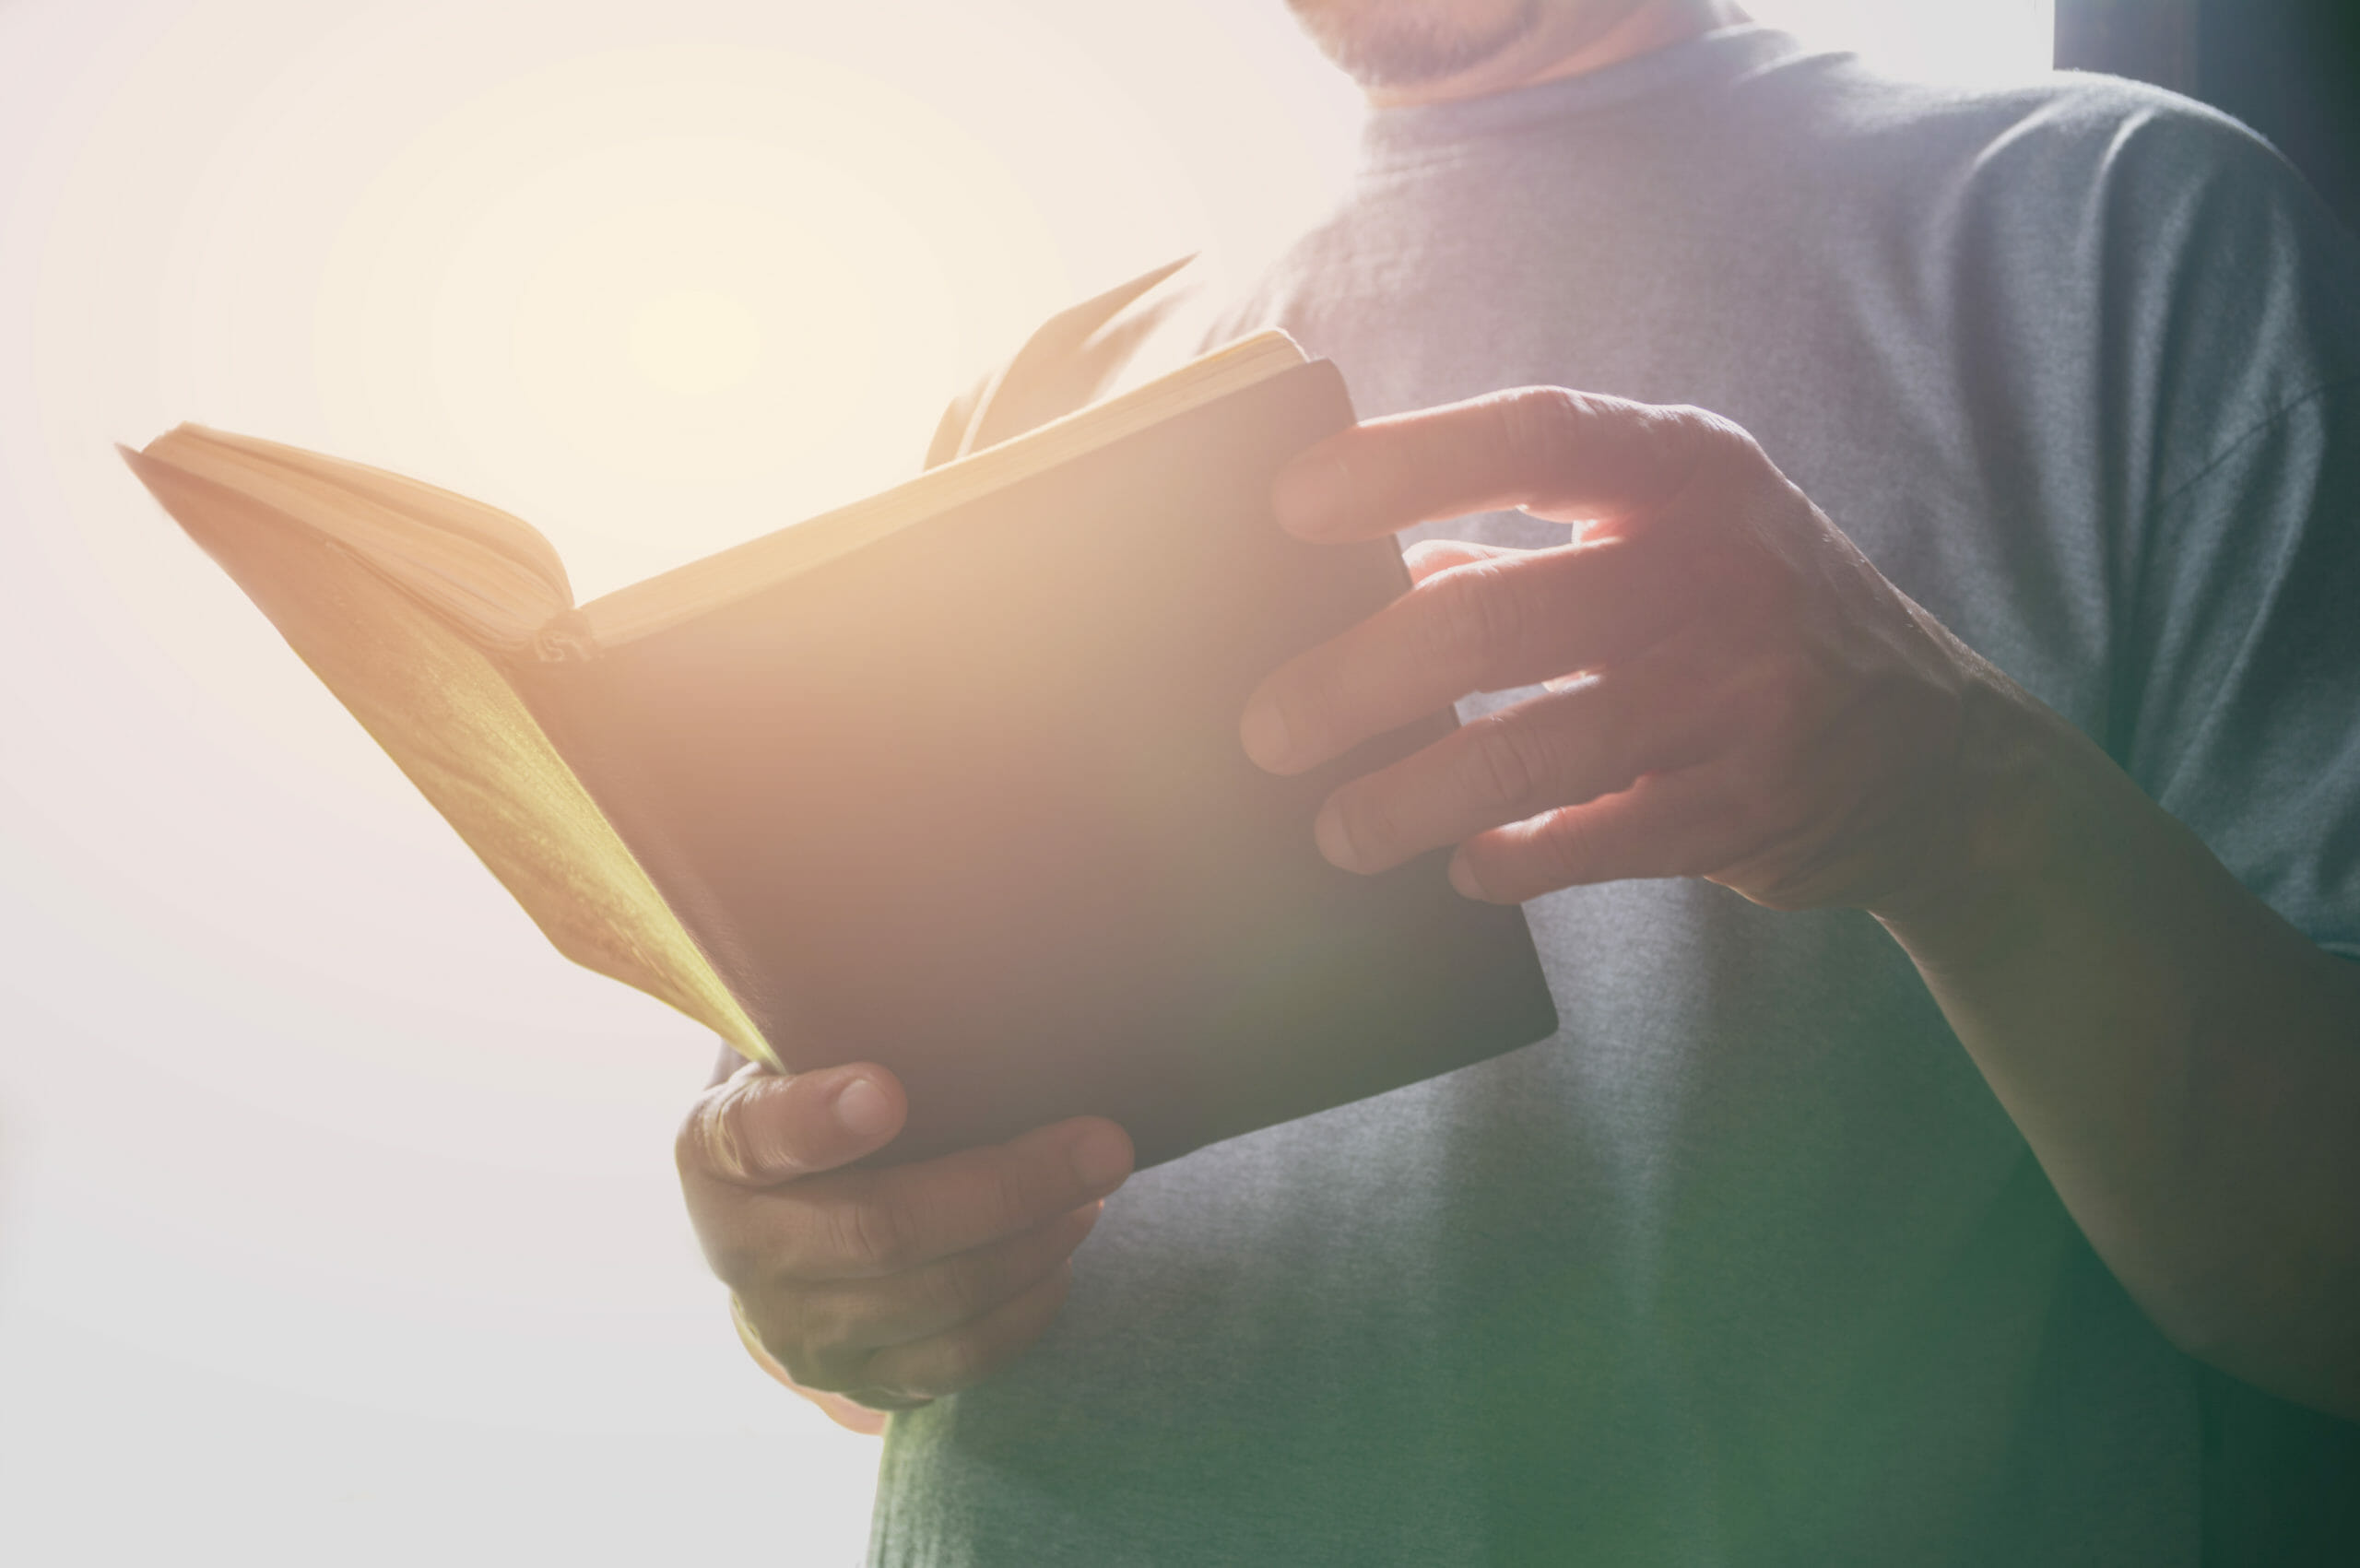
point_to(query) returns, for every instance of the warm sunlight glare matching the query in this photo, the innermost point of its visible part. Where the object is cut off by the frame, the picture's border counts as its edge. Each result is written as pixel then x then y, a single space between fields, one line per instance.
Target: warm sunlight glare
pixel 695 342
pixel 657 280
pixel 657 276
pixel 337 1216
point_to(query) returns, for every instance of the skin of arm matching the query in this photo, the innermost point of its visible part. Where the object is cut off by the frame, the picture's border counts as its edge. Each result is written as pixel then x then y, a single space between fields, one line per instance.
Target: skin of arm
pixel 1735 692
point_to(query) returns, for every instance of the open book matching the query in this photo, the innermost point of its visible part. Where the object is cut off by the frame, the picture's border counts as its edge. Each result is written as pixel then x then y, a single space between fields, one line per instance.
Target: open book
pixel 947 779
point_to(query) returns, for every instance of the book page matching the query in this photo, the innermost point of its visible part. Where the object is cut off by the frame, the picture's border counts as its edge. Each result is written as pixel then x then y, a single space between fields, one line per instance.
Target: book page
pixel 492 573
pixel 449 718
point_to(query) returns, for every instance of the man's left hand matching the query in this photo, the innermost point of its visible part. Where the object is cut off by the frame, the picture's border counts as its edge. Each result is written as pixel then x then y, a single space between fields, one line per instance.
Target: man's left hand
pixel 1732 691
pixel 1755 703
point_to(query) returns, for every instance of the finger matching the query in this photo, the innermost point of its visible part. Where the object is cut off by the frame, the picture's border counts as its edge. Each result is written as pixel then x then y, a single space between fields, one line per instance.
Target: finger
pixel 866 1420
pixel 865 1225
pixel 844 1412
pixel 851 1415
pixel 1561 748
pixel 758 1128
pixel 1487 626
pixel 822 1336
pixel 1429 556
pixel 1670 824
pixel 850 1316
pixel 972 1352
pixel 1555 452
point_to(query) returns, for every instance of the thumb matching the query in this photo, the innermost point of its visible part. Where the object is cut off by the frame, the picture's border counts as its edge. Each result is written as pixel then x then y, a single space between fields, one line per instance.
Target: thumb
pixel 758 1127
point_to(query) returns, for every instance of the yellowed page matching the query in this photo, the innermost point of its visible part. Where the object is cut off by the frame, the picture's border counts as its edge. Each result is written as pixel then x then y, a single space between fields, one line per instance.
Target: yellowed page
pixel 491 573
pixel 450 719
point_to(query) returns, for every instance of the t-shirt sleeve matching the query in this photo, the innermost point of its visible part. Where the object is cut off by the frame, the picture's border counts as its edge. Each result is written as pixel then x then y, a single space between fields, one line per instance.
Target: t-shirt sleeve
pixel 2245 661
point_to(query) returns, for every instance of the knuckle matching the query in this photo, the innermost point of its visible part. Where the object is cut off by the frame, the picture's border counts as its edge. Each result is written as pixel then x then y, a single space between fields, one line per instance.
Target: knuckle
pixel 1503 768
pixel 784 1336
pixel 819 1326
pixel 1537 426
pixel 1711 438
pixel 1472 616
pixel 873 1235
pixel 746 1132
pixel 1007 1196
pixel 1564 848
pixel 813 1370
pixel 803 1363
pixel 706 1143
pixel 966 1356
pixel 957 1292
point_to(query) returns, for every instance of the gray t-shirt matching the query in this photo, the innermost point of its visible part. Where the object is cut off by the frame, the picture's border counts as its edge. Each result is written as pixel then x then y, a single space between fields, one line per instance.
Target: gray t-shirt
pixel 1747 1265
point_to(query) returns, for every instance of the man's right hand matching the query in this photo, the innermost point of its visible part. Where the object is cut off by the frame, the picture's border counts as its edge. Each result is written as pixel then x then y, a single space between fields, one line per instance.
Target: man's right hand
pixel 882 1290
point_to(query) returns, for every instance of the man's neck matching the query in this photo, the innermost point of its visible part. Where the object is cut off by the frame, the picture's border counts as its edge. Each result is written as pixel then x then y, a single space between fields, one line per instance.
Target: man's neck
pixel 1572 46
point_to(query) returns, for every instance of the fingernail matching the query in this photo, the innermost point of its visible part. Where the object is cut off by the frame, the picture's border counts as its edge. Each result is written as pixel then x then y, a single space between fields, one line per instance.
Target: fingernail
pixel 1334 839
pixel 1102 1157
pixel 1304 495
pixel 864 1109
pixel 1462 877
pixel 1264 731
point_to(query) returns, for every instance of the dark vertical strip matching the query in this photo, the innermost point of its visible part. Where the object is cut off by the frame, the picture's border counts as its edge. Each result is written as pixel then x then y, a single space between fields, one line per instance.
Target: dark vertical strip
pixel 2288 68
pixel 2149 41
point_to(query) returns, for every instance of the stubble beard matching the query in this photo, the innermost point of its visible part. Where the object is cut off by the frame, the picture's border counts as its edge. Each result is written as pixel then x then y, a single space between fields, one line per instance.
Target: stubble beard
pixel 1405 43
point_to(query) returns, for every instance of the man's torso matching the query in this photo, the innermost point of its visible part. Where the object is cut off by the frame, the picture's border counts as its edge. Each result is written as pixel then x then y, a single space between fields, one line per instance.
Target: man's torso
pixel 1747 1264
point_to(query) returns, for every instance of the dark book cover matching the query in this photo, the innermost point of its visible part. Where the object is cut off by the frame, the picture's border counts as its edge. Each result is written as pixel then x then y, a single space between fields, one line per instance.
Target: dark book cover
pixel 970 803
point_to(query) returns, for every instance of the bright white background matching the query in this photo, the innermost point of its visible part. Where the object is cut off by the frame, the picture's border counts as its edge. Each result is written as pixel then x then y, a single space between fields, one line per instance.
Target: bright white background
pixel 336 1218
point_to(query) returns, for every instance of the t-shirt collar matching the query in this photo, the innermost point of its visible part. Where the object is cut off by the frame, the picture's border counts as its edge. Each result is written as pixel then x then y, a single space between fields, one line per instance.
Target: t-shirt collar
pixel 1713 58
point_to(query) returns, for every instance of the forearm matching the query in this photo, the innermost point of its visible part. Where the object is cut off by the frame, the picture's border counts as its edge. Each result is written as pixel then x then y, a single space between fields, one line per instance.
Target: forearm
pixel 2184 1064
pixel 1763 708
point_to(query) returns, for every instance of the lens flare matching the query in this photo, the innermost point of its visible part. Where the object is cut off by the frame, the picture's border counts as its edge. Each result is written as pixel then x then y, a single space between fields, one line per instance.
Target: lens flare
pixel 695 342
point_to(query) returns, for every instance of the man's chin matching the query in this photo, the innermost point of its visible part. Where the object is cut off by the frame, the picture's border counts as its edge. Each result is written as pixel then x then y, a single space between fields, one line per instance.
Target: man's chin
pixel 1408 43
